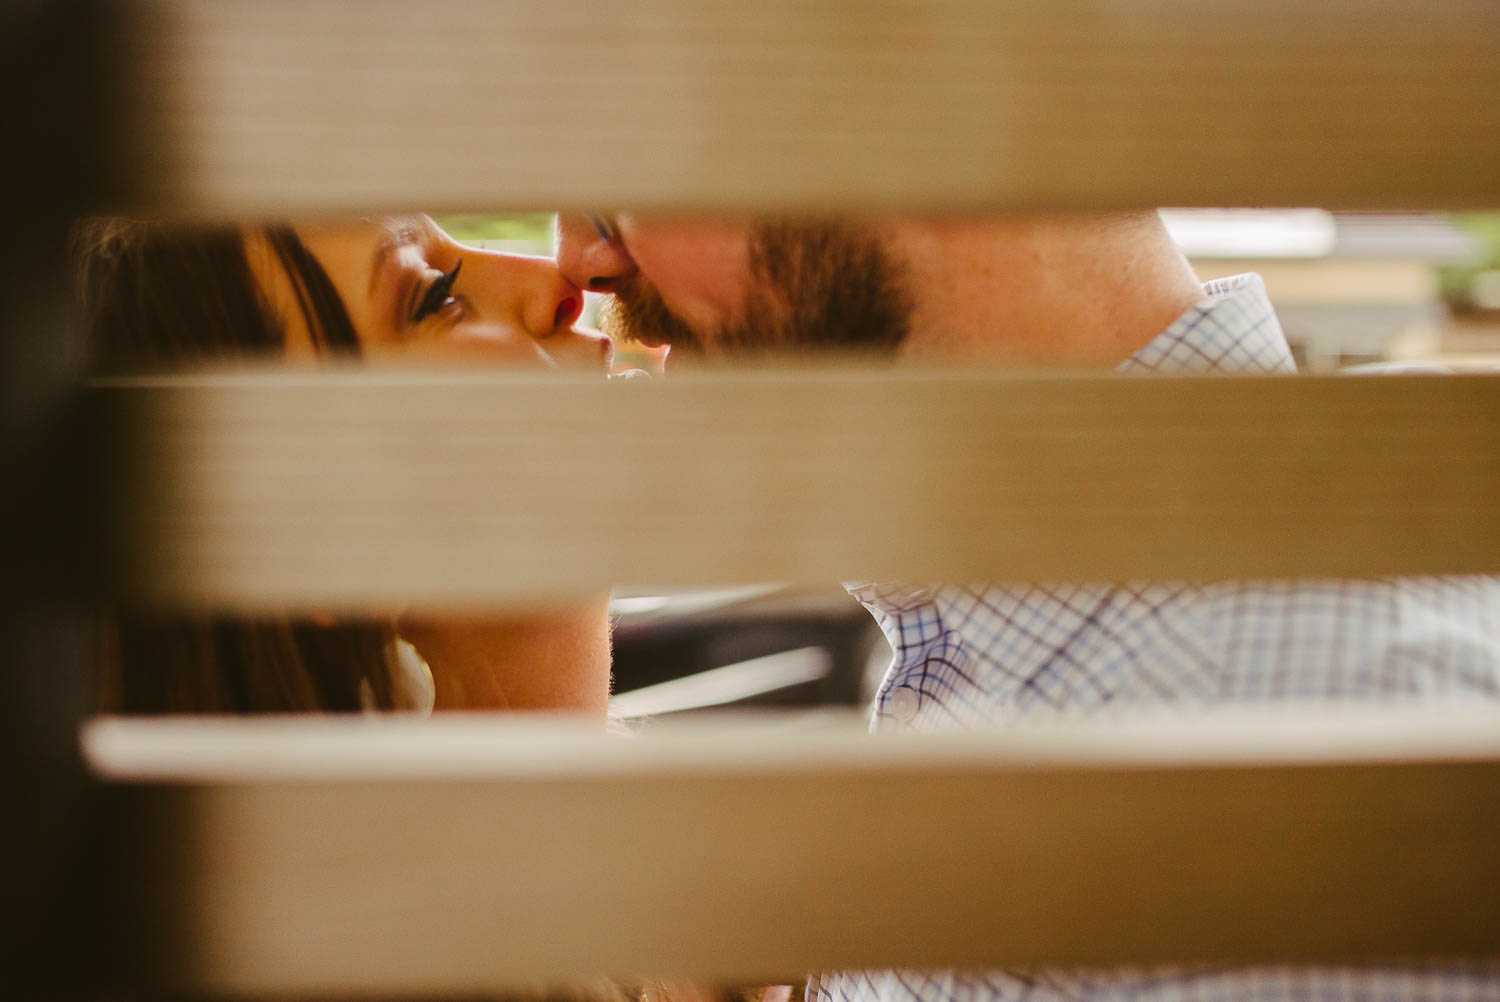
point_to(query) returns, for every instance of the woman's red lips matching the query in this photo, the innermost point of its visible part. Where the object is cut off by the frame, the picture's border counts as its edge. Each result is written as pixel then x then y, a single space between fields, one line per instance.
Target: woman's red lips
pixel 567 312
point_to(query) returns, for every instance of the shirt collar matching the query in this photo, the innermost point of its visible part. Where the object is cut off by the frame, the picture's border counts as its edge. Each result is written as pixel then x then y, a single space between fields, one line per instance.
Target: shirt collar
pixel 1232 329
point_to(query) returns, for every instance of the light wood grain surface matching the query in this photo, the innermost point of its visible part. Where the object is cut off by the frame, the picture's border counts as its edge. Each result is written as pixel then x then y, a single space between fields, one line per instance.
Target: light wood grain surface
pixel 323 105
pixel 353 490
pixel 306 857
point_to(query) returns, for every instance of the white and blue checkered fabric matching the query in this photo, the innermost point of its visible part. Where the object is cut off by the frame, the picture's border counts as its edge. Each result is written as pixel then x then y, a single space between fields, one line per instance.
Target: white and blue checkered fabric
pixel 1449 982
pixel 980 655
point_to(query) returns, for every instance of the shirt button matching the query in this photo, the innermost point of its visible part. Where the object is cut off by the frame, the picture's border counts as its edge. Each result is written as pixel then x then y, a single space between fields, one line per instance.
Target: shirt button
pixel 903 703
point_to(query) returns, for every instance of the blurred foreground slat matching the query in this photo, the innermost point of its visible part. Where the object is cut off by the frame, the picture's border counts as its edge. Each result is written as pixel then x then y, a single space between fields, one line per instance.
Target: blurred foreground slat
pixel 357 489
pixel 388 857
pixel 322 105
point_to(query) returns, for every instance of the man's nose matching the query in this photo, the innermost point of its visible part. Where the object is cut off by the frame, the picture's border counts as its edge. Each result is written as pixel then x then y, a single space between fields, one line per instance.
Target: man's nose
pixel 590 253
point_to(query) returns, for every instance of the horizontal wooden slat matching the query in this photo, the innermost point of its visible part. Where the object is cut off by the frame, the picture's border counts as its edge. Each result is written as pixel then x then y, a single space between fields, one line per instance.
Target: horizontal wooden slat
pixel 322 105
pixel 387 857
pixel 352 490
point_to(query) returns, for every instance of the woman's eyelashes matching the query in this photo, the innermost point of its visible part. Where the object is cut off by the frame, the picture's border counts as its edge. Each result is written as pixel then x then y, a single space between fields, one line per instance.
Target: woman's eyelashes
pixel 438 295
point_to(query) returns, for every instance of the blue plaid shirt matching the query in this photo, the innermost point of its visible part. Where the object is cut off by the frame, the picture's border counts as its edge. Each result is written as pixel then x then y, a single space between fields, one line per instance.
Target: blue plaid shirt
pixel 979 655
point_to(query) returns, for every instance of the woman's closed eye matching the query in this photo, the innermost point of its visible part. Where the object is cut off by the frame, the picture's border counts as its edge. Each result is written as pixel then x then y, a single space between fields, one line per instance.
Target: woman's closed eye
pixel 437 295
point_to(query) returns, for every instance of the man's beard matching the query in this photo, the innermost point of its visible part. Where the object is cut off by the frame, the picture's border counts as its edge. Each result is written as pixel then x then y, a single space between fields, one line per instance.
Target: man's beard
pixel 811 287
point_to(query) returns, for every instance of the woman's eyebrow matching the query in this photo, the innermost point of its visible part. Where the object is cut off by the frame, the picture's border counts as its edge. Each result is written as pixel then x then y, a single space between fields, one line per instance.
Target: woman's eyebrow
pixel 399 231
pixel 396 236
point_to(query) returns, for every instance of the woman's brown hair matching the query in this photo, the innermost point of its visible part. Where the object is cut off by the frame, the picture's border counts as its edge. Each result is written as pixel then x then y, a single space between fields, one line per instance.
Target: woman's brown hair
pixel 156 296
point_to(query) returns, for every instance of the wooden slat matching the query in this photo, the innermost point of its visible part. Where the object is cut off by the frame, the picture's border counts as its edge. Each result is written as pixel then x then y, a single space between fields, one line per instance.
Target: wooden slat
pixel 323 105
pixel 308 858
pixel 354 489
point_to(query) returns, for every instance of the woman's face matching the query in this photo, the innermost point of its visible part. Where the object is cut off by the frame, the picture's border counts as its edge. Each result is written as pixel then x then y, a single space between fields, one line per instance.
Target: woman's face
pixel 412 291
pixel 397 280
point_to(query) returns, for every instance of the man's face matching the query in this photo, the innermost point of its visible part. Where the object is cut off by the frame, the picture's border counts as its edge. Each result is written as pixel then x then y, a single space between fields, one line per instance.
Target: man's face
pixel 735 287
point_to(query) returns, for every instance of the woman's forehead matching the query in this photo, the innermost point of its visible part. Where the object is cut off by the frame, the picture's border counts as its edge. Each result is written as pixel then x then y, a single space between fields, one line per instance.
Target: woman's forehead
pixel 343 249
pixel 351 253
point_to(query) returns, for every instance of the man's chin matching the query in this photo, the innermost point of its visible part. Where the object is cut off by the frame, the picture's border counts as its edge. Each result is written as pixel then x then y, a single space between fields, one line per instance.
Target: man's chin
pixel 648 340
pixel 638 316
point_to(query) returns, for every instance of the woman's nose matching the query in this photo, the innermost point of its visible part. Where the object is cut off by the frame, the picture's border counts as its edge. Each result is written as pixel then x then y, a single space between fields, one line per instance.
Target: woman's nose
pixel 519 291
pixel 589 252
pixel 530 294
